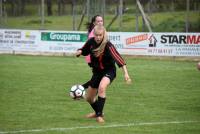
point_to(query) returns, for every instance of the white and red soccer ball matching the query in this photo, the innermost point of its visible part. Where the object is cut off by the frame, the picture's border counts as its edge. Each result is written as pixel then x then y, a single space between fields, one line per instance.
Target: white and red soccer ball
pixel 77 92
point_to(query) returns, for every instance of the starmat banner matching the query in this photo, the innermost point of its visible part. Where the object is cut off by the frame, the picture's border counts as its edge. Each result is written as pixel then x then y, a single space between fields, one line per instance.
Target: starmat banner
pixel 157 44
pixel 129 43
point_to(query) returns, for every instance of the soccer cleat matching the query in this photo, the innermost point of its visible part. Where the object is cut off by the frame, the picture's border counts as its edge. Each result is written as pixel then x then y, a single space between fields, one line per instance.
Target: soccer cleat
pixel 100 119
pixel 91 115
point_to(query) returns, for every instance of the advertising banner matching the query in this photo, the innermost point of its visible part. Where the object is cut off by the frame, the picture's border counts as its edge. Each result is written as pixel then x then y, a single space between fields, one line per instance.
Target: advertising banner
pixel 67 42
pixel 131 43
pixel 19 40
pixel 157 44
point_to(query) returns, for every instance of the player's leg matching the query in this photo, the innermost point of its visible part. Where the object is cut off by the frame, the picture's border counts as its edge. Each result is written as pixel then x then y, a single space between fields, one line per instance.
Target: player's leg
pixel 103 86
pixel 108 77
pixel 91 95
pixel 86 85
pixel 91 99
pixel 102 98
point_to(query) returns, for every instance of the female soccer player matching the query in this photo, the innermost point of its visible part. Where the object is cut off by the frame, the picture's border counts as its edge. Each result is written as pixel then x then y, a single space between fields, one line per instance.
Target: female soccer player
pixel 96 20
pixel 103 58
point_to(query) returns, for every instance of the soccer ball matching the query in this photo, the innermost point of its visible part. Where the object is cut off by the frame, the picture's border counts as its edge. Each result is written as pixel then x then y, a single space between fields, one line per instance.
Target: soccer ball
pixel 77 92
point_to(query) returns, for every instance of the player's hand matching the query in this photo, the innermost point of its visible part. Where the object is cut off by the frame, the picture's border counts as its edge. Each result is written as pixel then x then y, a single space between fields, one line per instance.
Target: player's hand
pixel 128 79
pixel 78 53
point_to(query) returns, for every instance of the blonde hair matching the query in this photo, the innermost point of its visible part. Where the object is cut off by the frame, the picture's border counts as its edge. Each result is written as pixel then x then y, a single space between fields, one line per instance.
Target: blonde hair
pixel 99 50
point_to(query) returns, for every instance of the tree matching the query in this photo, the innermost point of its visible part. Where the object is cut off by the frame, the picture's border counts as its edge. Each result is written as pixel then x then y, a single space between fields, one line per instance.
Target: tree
pixel 49 7
pixel 61 7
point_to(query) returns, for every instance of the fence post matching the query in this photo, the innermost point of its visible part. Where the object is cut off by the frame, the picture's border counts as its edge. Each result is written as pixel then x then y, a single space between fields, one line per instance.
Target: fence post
pixel 95 7
pixel 1 12
pixel 74 14
pixel 144 16
pixel 103 9
pixel 136 17
pixel 88 9
pixel 120 14
pixel 42 14
pixel 187 16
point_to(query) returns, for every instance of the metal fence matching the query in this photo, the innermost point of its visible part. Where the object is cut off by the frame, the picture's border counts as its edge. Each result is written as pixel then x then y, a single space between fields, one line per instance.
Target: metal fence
pixel 119 15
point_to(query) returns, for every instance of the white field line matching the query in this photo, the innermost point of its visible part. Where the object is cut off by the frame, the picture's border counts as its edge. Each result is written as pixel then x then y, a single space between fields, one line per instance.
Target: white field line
pixel 99 126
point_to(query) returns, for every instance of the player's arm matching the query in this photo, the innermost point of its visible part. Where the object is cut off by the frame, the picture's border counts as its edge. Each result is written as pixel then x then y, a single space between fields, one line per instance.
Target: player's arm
pixel 116 56
pixel 78 52
pixel 85 50
pixel 120 62
pixel 126 75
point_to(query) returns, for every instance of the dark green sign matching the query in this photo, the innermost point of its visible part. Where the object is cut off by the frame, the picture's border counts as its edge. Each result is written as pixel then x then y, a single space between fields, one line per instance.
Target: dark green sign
pixel 65 37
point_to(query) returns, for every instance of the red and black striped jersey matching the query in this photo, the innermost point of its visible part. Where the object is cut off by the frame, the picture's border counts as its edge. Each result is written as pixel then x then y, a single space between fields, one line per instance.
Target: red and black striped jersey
pixel 107 60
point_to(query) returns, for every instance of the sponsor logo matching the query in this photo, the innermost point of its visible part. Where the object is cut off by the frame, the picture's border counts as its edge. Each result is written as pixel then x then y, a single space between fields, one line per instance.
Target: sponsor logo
pixel 107 75
pixel 152 41
pixel 28 35
pixel 72 37
pixel 135 39
pixel 180 39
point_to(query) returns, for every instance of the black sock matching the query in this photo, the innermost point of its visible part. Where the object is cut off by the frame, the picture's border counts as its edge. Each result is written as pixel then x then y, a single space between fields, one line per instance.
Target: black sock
pixel 95 106
pixel 100 104
pixel 86 85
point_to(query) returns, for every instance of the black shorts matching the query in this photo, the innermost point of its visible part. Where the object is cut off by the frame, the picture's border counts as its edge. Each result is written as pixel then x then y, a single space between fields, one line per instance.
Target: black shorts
pixel 97 76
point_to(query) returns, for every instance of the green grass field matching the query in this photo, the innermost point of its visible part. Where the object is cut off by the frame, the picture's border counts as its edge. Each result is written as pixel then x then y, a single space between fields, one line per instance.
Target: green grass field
pixel 164 98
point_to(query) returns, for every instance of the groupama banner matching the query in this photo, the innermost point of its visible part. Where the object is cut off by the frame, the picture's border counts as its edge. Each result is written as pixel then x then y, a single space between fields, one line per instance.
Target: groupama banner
pixel 131 43
pixel 63 37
